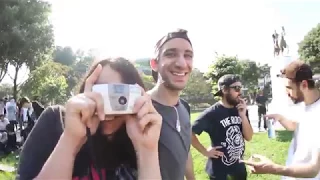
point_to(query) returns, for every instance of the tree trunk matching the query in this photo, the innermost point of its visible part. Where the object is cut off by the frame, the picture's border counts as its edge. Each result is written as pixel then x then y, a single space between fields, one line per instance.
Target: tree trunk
pixel 15 84
pixel 3 71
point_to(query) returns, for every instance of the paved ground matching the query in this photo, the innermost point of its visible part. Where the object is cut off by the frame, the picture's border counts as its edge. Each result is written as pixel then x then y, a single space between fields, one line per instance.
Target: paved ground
pixel 253 116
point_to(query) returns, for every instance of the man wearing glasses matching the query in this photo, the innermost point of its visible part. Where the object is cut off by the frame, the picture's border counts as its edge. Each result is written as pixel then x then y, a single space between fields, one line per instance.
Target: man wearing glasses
pixel 227 123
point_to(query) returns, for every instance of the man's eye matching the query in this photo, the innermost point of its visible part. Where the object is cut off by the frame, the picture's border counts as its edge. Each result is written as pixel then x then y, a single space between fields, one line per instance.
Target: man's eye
pixel 170 54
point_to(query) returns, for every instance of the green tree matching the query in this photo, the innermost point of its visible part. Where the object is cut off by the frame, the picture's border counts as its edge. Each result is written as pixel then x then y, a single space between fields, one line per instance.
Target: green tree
pixel 5 90
pixel 78 71
pixel 264 73
pixel 78 61
pixel 250 74
pixel 221 66
pixel 309 48
pixel 26 34
pixel 3 68
pixel 198 90
pixel 47 82
pixel 64 55
pixel 148 81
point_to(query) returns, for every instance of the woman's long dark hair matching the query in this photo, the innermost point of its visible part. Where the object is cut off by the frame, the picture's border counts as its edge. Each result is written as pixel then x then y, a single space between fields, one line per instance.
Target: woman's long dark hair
pixel 22 101
pixel 118 151
pixel 37 108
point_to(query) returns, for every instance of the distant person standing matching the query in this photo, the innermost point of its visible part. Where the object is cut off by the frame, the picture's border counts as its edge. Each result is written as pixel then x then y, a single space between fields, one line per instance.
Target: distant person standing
pixel 2 107
pixel 11 108
pixel 261 101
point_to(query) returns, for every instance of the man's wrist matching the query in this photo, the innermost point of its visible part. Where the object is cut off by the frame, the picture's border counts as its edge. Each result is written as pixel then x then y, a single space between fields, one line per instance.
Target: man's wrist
pixel 143 152
pixel 243 116
pixel 71 143
pixel 279 170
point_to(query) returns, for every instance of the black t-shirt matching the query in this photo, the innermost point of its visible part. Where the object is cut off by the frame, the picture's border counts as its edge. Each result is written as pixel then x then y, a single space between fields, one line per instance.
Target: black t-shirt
pixel 262 100
pixel 224 127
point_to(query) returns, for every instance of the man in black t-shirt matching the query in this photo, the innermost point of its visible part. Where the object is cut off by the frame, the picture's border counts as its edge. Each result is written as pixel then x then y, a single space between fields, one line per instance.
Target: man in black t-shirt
pixel 261 101
pixel 227 124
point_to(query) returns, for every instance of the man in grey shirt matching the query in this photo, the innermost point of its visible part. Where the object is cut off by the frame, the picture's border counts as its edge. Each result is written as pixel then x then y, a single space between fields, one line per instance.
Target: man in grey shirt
pixel 171 68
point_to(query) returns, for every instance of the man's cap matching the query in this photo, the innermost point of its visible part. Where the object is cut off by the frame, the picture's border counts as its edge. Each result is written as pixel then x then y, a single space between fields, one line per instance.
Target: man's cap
pixel 297 71
pixel 179 33
pixel 226 81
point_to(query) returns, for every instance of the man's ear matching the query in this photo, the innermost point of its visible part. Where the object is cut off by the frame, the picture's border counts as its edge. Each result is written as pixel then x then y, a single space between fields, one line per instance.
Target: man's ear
pixel 154 64
pixel 224 90
pixel 304 84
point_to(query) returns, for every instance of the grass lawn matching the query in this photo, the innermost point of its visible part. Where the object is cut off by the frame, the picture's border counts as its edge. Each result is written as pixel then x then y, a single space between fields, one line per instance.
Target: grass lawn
pixel 10 161
pixel 276 149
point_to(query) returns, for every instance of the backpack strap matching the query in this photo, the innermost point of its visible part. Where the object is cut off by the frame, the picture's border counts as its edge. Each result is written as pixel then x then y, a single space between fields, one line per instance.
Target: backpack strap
pixel 186 105
pixel 62 115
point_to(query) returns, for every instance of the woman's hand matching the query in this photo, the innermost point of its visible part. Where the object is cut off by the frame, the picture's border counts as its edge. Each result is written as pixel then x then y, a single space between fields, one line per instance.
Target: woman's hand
pixel 84 110
pixel 144 127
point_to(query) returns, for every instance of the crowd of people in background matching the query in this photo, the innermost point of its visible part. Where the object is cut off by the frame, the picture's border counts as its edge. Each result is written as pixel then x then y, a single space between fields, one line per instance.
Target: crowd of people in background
pixel 16 121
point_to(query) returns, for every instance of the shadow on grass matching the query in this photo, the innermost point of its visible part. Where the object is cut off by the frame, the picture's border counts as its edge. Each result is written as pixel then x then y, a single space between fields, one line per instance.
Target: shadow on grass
pixel 284 136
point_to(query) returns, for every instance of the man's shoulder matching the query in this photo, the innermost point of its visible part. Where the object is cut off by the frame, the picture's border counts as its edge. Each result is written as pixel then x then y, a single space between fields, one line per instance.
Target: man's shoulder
pixel 213 109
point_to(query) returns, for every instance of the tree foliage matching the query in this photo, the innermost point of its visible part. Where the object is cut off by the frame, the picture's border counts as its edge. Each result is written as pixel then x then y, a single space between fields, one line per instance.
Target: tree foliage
pixel 249 74
pixel 4 63
pixel 5 90
pixel 64 55
pixel 249 71
pixel 26 34
pixel 148 81
pixel 78 63
pixel 309 48
pixel 223 65
pixel 47 82
pixel 198 90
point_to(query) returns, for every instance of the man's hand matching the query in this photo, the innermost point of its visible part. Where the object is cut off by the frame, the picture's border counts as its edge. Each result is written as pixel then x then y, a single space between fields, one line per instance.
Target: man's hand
pixel 213 152
pixel 276 117
pixel 259 164
pixel 242 107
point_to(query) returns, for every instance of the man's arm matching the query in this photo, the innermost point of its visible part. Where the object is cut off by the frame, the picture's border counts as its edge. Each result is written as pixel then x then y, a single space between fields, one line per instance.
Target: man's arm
pixel 266 166
pixel 189 168
pixel 289 125
pixel 197 145
pixel 246 127
pixel 299 171
pixel 200 125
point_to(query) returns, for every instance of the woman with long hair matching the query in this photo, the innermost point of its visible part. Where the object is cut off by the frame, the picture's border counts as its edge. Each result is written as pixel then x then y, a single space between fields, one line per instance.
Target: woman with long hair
pixel 37 109
pixel 78 141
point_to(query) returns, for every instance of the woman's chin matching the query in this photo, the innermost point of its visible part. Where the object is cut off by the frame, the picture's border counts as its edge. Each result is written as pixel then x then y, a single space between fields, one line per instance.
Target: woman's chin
pixel 110 127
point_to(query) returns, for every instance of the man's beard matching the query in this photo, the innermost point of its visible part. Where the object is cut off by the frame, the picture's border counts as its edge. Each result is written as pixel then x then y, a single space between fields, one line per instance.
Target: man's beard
pixel 230 100
pixel 299 98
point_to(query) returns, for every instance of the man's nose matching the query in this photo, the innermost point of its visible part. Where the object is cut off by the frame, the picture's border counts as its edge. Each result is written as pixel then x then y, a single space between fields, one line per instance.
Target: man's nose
pixel 181 62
